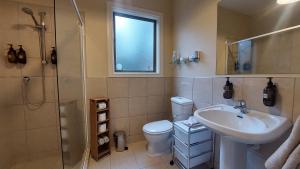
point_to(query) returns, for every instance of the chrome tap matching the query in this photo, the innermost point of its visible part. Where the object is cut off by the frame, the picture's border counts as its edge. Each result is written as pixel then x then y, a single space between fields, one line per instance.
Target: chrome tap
pixel 242 106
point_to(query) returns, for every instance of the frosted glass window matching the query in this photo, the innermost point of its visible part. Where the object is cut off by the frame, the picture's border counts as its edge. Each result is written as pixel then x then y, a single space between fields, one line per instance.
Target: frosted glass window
pixel 134 43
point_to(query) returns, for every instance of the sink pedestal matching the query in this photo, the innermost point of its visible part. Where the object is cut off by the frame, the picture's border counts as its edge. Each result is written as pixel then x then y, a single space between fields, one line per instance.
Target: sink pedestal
pixel 233 155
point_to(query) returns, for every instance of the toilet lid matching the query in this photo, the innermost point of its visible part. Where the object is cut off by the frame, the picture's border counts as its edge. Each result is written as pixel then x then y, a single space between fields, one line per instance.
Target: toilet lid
pixel 158 127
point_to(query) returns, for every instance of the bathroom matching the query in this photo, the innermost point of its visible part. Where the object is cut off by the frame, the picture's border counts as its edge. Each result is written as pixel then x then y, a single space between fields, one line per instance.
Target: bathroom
pixel 71 52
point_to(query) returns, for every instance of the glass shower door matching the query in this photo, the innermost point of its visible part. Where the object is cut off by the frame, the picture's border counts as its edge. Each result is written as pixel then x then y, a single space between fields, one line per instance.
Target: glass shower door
pixel 70 72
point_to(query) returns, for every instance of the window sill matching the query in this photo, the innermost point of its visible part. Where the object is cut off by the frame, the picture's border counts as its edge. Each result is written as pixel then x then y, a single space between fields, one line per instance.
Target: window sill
pixel 142 74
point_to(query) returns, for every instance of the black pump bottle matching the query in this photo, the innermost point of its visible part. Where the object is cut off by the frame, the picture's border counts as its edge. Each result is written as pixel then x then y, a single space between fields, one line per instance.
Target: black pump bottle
pixel 12 55
pixel 53 56
pixel 22 58
pixel 269 94
pixel 228 90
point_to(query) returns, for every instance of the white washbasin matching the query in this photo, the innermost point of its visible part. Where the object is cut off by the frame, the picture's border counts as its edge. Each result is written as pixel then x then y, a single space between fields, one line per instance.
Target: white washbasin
pixel 251 128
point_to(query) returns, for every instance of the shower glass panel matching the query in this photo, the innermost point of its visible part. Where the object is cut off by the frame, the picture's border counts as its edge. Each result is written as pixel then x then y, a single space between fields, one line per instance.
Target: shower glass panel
pixel 70 73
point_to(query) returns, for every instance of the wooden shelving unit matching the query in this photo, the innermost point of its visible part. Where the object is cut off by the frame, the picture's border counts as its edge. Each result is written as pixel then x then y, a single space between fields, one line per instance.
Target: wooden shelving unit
pixel 98 151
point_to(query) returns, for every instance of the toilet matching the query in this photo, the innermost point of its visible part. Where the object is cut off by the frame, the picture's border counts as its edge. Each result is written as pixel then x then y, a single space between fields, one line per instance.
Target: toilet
pixel 159 133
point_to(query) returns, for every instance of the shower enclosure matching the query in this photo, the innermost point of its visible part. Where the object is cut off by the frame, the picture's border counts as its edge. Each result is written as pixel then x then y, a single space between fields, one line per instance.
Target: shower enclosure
pixel 42 105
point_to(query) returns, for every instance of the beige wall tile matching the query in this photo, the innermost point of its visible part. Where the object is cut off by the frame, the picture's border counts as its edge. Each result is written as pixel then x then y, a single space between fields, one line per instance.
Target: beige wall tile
pixel 136 125
pixel 118 87
pixel 285 96
pixel 45 116
pixel 169 86
pixel 8 15
pixel 34 90
pixel 12 119
pixel 120 124
pixel 137 87
pixel 42 140
pixel 184 87
pixel 155 105
pixel 156 117
pixel 19 148
pixel 296 109
pixel 136 138
pixel 253 92
pixel 137 106
pixel 6 153
pixel 96 87
pixel 155 86
pixel 218 84
pixel 119 107
pixel 202 92
pixel 32 68
pixel 10 91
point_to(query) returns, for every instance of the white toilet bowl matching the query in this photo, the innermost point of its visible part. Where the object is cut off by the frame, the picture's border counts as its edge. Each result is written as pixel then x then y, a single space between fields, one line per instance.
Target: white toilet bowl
pixel 158 135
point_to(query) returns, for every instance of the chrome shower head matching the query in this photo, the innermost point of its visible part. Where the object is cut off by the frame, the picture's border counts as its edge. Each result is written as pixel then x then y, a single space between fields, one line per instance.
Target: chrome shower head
pixel 30 12
pixel 27 11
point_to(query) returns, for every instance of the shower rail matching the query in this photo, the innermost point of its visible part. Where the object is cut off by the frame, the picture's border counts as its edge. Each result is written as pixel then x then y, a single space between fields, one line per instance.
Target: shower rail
pixel 264 35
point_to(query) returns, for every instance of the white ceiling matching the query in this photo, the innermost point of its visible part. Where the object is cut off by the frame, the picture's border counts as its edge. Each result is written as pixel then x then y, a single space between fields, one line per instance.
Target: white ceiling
pixel 247 7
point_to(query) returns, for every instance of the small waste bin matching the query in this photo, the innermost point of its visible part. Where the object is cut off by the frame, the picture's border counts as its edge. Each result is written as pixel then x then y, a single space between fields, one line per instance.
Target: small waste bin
pixel 120 141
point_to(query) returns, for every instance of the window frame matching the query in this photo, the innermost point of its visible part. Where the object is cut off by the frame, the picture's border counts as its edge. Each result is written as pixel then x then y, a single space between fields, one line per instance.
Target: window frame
pixel 130 16
pixel 131 10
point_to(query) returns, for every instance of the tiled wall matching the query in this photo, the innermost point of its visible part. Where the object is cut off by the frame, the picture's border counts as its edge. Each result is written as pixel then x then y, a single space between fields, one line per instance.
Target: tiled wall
pixel 209 91
pixel 26 134
pixel 134 101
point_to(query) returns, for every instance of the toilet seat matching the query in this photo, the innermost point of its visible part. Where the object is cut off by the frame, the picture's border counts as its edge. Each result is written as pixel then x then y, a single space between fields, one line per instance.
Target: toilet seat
pixel 158 127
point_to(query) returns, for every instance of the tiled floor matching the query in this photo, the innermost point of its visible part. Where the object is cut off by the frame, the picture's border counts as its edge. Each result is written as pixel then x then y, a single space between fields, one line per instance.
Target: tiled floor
pixel 45 163
pixel 135 158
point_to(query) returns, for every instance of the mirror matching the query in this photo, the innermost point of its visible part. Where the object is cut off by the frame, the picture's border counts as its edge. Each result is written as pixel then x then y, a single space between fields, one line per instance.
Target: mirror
pixel 258 37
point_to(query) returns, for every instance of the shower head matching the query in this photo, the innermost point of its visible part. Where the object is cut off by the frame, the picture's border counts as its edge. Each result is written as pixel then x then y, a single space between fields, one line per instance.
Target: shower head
pixel 30 12
pixel 27 11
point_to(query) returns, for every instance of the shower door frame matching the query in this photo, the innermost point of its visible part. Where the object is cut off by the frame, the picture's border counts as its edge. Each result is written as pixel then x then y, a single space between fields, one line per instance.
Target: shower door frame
pixel 84 164
pixel 86 153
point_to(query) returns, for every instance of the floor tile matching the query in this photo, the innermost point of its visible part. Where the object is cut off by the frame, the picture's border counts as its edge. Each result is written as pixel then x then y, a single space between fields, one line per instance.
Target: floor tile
pixel 136 157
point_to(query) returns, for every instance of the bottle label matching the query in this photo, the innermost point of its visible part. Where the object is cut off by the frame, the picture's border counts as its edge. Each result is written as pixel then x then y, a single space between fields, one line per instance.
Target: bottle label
pixel 265 96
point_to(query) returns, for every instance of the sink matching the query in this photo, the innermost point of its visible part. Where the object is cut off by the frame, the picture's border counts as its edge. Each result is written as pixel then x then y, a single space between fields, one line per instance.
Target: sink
pixel 251 128
pixel 237 130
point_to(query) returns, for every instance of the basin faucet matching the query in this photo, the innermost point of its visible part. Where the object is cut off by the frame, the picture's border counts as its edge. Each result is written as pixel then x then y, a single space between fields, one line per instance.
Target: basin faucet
pixel 242 106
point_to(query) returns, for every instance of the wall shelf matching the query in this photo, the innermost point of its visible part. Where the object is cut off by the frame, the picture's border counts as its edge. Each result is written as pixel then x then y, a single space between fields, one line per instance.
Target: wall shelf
pixel 98 151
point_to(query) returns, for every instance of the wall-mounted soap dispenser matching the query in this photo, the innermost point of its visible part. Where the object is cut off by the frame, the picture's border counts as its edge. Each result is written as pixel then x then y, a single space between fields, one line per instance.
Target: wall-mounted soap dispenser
pixel 269 94
pixel 21 55
pixel 12 54
pixel 53 56
pixel 228 90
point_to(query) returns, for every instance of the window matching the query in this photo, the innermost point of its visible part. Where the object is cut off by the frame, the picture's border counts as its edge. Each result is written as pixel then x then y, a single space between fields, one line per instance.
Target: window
pixel 135 43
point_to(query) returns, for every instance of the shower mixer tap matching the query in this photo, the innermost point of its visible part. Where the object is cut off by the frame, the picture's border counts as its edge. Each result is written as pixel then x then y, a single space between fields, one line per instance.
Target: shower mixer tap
pixel 26 79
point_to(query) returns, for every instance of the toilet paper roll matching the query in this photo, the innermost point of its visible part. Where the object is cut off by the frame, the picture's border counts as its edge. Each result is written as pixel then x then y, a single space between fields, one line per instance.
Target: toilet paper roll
pixel 102 117
pixel 101 106
pixel 106 139
pixel 102 128
pixel 101 141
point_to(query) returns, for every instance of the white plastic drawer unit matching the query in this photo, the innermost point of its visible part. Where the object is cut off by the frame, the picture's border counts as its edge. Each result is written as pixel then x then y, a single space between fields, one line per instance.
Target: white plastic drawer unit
pixel 194 161
pixel 195 149
pixel 197 134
